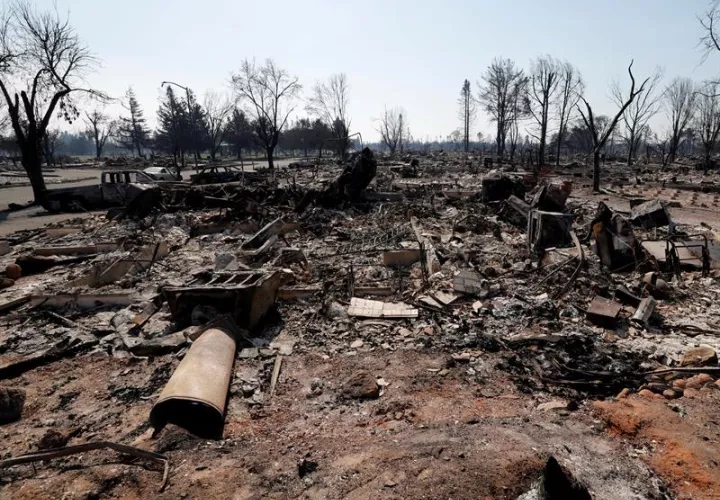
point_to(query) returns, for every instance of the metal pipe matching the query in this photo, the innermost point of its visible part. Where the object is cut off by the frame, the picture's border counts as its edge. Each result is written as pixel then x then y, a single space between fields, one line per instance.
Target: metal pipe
pixel 195 396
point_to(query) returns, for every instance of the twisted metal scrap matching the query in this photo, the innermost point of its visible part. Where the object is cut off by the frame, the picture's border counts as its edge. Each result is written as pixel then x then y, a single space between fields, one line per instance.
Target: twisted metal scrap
pixel 80 448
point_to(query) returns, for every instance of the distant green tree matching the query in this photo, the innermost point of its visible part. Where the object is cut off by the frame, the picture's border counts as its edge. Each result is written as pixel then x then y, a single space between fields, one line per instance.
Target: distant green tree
pixel 172 133
pixel 132 132
pixel 198 137
pixel 239 133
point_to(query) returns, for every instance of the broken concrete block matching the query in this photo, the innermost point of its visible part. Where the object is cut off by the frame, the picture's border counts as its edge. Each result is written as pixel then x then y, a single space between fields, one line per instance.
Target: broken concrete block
pixel 650 214
pixel 644 311
pixel 469 282
pixel 365 308
pixel 225 261
pixel 4 247
pixel 699 356
pixel 11 404
pixel 548 229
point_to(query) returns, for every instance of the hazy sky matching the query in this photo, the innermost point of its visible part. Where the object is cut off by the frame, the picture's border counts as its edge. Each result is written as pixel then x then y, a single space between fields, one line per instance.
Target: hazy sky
pixel 413 54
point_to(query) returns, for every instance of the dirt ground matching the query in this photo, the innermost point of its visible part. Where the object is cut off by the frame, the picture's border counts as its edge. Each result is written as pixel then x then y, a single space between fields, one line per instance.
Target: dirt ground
pixel 428 436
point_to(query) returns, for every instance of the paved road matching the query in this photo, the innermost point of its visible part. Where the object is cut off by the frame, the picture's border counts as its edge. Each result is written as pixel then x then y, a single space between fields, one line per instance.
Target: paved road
pixel 37 217
pixel 24 194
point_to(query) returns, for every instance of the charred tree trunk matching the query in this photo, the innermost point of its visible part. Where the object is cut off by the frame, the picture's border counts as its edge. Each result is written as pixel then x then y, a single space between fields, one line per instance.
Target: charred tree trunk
pixel 596 170
pixel 559 147
pixel 500 140
pixel 32 162
pixel 541 151
pixel 631 149
pixel 707 160
pixel 271 161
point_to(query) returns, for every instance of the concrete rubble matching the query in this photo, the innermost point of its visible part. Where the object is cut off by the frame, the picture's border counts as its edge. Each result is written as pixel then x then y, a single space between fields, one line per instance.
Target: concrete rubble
pixel 563 295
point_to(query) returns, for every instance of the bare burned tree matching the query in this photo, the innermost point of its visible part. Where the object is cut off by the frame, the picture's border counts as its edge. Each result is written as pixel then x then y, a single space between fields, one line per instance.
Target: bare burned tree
pixel 638 114
pixel 601 136
pixel 51 143
pixel 269 93
pixel 218 110
pixel 42 64
pixel 679 100
pixel 517 112
pixel 467 113
pixel 98 129
pixel 501 81
pixel 710 41
pixel 391 127
pixel 545 77
pixel 4 119
pixel 571 88
pixel 662 143
pixel 707 120
pixel 329 102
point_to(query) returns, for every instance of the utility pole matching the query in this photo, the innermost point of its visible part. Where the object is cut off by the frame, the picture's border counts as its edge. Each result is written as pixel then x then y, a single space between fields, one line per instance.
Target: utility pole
pixel 190 113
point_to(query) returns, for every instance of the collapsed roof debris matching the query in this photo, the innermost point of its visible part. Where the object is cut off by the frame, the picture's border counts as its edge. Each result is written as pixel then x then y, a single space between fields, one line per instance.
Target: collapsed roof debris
pixel 212 303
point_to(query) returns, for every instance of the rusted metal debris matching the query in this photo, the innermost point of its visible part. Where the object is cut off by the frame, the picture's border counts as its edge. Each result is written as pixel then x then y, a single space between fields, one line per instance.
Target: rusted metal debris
pixel 650 214
pixel 614 239
pixel 552 197
pixel 548 229
pixel 515 211
pixel 603 312
pixel 401 258
pixel 195 396
pixel 247 296
pixel 42 456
